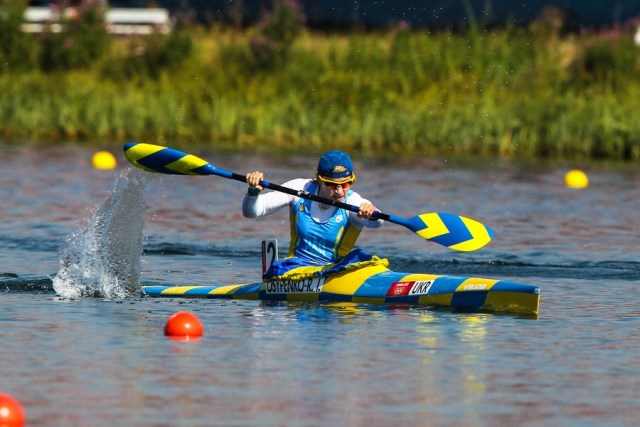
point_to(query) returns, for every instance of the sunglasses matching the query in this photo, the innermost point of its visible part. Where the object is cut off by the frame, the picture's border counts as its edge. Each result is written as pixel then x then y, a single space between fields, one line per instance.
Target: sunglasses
pixel 335 184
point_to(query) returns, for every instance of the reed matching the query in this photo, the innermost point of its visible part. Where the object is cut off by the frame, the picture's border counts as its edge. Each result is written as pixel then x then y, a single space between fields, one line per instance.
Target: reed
pixel 510 92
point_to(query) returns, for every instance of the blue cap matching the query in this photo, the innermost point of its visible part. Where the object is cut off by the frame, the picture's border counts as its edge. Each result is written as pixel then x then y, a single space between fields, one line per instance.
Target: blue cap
pixel 335 164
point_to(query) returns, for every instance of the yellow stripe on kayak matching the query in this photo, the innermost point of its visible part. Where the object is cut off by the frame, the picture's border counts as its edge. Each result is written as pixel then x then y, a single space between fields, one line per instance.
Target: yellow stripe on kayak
pixel 417 277
pixel 348 282
pixel 476 284
pixel 178 290
pixel 224 290
pixel 439 299
pixel 514 302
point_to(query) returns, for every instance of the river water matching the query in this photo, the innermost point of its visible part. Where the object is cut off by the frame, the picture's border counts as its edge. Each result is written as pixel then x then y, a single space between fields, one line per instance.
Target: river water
pixel 100 358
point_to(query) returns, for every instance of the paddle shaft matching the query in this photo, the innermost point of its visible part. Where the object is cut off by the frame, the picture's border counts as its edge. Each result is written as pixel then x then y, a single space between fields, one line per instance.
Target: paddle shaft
pixel 450 230
pixel 299 193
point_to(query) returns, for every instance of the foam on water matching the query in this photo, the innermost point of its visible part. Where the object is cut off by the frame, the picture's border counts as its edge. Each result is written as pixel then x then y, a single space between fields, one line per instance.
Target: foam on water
pixel 103 258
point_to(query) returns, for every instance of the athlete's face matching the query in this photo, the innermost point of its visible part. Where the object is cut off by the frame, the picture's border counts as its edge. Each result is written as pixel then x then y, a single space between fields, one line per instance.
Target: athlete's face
pixel 335 189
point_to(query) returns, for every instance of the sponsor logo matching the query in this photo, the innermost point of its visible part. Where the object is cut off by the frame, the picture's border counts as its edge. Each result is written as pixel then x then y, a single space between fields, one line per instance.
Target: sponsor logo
pixel 311 285
pixel 421 288
pixel 410 288
pixel 399 288
pixel 474 287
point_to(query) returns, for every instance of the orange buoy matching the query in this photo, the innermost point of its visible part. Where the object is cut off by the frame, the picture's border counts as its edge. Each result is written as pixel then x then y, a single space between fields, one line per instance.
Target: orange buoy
pixel 183 325
pixel 11 413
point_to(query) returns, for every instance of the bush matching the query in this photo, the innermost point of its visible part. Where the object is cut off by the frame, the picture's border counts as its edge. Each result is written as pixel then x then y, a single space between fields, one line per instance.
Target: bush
pixel 82 41
pixel 148 56
pixel 277 32
pixel 609 55
pixel 15 46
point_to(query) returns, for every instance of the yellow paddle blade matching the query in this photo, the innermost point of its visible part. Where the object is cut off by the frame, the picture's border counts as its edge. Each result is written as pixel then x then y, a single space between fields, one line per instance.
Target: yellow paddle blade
pixel 453 231
pixel 159 159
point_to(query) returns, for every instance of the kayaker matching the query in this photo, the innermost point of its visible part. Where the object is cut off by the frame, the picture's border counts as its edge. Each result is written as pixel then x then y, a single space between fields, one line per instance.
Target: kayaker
pixel 321 234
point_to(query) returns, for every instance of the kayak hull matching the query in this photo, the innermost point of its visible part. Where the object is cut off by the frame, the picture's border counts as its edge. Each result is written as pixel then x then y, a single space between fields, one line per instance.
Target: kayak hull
pixel 376 285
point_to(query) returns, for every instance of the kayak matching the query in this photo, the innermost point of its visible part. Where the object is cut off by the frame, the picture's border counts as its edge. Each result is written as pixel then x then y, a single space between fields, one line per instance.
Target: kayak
pixel 367 279
pixel 375 284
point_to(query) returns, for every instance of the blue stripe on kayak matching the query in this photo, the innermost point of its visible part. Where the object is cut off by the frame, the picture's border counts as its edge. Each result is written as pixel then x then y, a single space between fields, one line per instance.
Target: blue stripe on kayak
pixel 153 290
pixel 252 288
pixel 335 297
pixel 503 286
pixel 372 286
pixel 469 299
pixel 446 285
pixel 199 291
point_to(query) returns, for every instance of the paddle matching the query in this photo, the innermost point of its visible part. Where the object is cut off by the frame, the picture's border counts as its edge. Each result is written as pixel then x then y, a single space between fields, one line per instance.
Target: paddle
pixel 453 231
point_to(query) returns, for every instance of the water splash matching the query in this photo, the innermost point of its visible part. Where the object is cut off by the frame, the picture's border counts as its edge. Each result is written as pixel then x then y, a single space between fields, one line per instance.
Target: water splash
pixel 103 259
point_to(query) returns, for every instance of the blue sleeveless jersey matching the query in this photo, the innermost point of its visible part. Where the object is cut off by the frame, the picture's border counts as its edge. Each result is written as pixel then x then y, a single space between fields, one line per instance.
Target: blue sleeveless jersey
pixel 320 242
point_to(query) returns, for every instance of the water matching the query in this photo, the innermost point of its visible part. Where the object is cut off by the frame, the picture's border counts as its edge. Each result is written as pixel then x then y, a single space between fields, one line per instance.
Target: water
pixel 103 258
pixel 97 359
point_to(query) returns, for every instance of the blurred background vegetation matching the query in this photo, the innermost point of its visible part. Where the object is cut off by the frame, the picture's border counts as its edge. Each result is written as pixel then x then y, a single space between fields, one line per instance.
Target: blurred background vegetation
pixel 528 91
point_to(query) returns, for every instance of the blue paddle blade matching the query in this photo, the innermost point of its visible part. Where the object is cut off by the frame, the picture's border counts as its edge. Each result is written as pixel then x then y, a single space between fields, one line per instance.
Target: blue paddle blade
pixel 453 231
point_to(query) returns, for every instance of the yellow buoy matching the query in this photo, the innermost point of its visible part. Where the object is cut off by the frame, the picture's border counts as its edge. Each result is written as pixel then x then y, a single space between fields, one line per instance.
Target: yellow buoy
pixel 576 179
pixel 103 160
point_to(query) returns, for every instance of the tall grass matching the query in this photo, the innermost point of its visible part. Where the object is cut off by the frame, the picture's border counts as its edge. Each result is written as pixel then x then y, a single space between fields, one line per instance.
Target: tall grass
pixel 511 92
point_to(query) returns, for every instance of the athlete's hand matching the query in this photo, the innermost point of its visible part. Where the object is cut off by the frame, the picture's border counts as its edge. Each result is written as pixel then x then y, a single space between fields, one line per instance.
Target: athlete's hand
pixel 367 210
pixel 253 178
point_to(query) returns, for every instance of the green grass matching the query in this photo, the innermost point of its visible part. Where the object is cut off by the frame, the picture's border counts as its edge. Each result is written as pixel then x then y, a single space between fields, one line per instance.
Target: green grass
pixel 509 92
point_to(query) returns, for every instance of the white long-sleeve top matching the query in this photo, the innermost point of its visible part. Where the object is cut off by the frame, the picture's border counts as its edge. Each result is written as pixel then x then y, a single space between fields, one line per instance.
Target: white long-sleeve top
pixel 271 202
pixel 321 234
